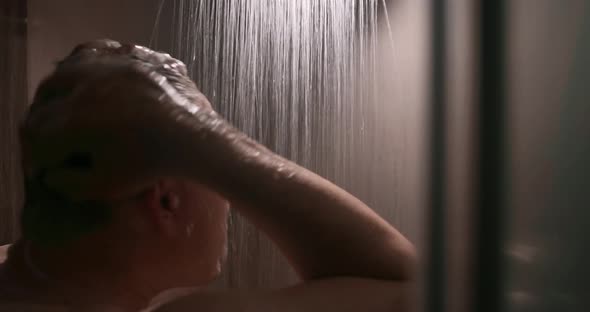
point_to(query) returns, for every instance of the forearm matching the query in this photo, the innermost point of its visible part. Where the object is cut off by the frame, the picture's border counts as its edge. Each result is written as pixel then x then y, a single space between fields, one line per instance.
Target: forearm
pixel 322 229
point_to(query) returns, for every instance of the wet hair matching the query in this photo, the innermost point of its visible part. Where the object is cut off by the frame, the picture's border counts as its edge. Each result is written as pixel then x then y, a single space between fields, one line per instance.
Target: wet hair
pixel 48 216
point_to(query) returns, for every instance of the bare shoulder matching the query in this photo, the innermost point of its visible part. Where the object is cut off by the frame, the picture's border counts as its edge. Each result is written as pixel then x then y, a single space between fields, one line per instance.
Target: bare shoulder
pixel 338 294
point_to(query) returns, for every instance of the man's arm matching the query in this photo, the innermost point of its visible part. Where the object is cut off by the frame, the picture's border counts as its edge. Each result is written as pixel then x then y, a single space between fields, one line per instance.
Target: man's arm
pixel 323 230
pixel 349 257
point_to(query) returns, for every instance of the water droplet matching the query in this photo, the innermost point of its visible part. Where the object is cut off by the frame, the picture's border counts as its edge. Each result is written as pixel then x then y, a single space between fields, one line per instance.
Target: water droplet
pixel 202 118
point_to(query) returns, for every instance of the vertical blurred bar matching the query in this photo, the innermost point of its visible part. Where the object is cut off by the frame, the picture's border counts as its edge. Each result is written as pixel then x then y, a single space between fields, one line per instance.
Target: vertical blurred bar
pixel 491 148
pixel 13 98
pixel 461 79
pixel 436 295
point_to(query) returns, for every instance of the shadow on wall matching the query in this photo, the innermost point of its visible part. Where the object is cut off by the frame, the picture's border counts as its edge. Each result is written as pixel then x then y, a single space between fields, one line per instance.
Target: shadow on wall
pixel 56 26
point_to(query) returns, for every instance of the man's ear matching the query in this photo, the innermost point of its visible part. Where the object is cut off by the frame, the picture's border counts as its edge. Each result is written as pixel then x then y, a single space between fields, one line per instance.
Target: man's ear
pixel 169 202
pixel 162 202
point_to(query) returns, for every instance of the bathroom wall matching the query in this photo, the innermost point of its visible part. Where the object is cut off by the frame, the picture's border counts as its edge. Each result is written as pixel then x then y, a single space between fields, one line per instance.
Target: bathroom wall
pixel 56 26
pixel 13 97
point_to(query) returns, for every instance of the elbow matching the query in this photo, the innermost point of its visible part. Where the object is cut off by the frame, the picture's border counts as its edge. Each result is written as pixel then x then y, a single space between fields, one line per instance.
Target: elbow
pixel 411 262
pixel 405 269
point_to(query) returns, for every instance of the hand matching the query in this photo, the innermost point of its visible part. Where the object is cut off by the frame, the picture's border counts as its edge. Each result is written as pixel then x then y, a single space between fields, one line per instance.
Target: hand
pixel 116 131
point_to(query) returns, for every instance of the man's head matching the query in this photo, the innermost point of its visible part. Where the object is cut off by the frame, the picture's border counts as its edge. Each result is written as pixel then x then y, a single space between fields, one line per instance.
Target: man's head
pixel 168 224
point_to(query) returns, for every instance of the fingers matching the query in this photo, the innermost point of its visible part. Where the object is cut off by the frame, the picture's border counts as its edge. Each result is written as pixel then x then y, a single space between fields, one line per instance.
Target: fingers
pixel 103 124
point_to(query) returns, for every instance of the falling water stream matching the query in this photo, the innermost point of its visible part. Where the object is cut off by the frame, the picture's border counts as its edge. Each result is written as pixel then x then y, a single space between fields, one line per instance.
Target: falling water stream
pixel 301 77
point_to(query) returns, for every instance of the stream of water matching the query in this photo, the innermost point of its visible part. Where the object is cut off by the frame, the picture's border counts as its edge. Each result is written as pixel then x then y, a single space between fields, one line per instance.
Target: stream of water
pixel 301 77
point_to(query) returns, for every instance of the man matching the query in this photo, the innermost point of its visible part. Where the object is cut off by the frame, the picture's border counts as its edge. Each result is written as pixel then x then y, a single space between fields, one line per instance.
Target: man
pixel 129 175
